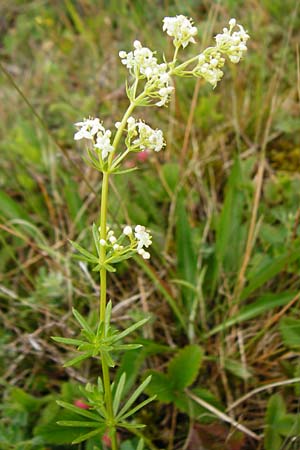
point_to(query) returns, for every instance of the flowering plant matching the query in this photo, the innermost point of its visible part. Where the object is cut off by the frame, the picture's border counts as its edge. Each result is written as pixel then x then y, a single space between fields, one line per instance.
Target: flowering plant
pixel 149 83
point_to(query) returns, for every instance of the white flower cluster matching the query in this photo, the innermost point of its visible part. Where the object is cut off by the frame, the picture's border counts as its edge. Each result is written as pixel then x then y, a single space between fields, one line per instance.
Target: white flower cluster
pixel 93 129
pixel 181 29
pixel 233 43
pixel 143 64
pixel 141 239
pixel 209 66
pixel 230 43
pixel 88 129
pixel 111 240
pixel 144 239
pixel 146 137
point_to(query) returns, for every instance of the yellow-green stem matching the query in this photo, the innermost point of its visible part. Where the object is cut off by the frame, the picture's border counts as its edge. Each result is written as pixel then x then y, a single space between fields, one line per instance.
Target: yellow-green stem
pixel 103 275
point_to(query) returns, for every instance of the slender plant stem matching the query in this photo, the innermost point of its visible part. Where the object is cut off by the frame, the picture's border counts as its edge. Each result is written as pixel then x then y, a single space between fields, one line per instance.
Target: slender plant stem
pixel 103 275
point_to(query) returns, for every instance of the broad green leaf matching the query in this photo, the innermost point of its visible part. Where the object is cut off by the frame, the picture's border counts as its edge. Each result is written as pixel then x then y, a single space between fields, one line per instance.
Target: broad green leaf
pixel 184 367
pixel 265 303
pixel 276 410
pixel 272 439
pixel 53 434
pixel 289 425
pixel 161 386
pixel 290 332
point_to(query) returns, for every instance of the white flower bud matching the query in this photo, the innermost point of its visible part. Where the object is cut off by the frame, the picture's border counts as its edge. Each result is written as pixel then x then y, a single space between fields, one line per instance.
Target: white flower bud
pixel 127 230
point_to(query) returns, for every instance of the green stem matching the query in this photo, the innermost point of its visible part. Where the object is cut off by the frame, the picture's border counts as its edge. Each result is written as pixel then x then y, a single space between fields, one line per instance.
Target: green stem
pixel 184 64
pixel 103 273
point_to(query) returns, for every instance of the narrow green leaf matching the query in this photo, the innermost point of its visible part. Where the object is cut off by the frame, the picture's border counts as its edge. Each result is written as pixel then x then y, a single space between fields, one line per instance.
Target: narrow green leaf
pixel 78 359
pixel 184 367
pixel 127 347
pixel 138 407
pixel 121 172
pixel 96 237
pixel 272 269
pixel 118 393
pixel 84 252
pixel 77 423
pixel 129 330
pixel 290 332
pixel 237 369
pixel 79 411
pixel 186 252
pixel 70 341
pixel 229 227
pixel 11 208
pixel 109 267
pixel 84 437
pixel 107 316
pixel 140 444
pixel 83 322
pixel 265 303
pixel 134 396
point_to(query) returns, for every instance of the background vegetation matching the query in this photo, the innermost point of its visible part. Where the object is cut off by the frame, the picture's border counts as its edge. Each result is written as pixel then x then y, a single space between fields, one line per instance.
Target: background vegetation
pixel 222 287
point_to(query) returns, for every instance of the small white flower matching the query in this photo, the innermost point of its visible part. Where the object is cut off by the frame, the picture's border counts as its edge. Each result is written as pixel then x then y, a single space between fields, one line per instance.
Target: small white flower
pixel 144 254
pixel 117 125
pixel 127 230
pixel 164 94
pixel 142 236
pixel 232 22
pixel 181 29
pixel 116 247
pixel 103 143
pixel 103 242
pixel 112 239
pixel 88 128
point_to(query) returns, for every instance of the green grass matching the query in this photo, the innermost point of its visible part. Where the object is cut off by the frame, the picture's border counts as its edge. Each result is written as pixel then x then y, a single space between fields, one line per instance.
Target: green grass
pixel 204 286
